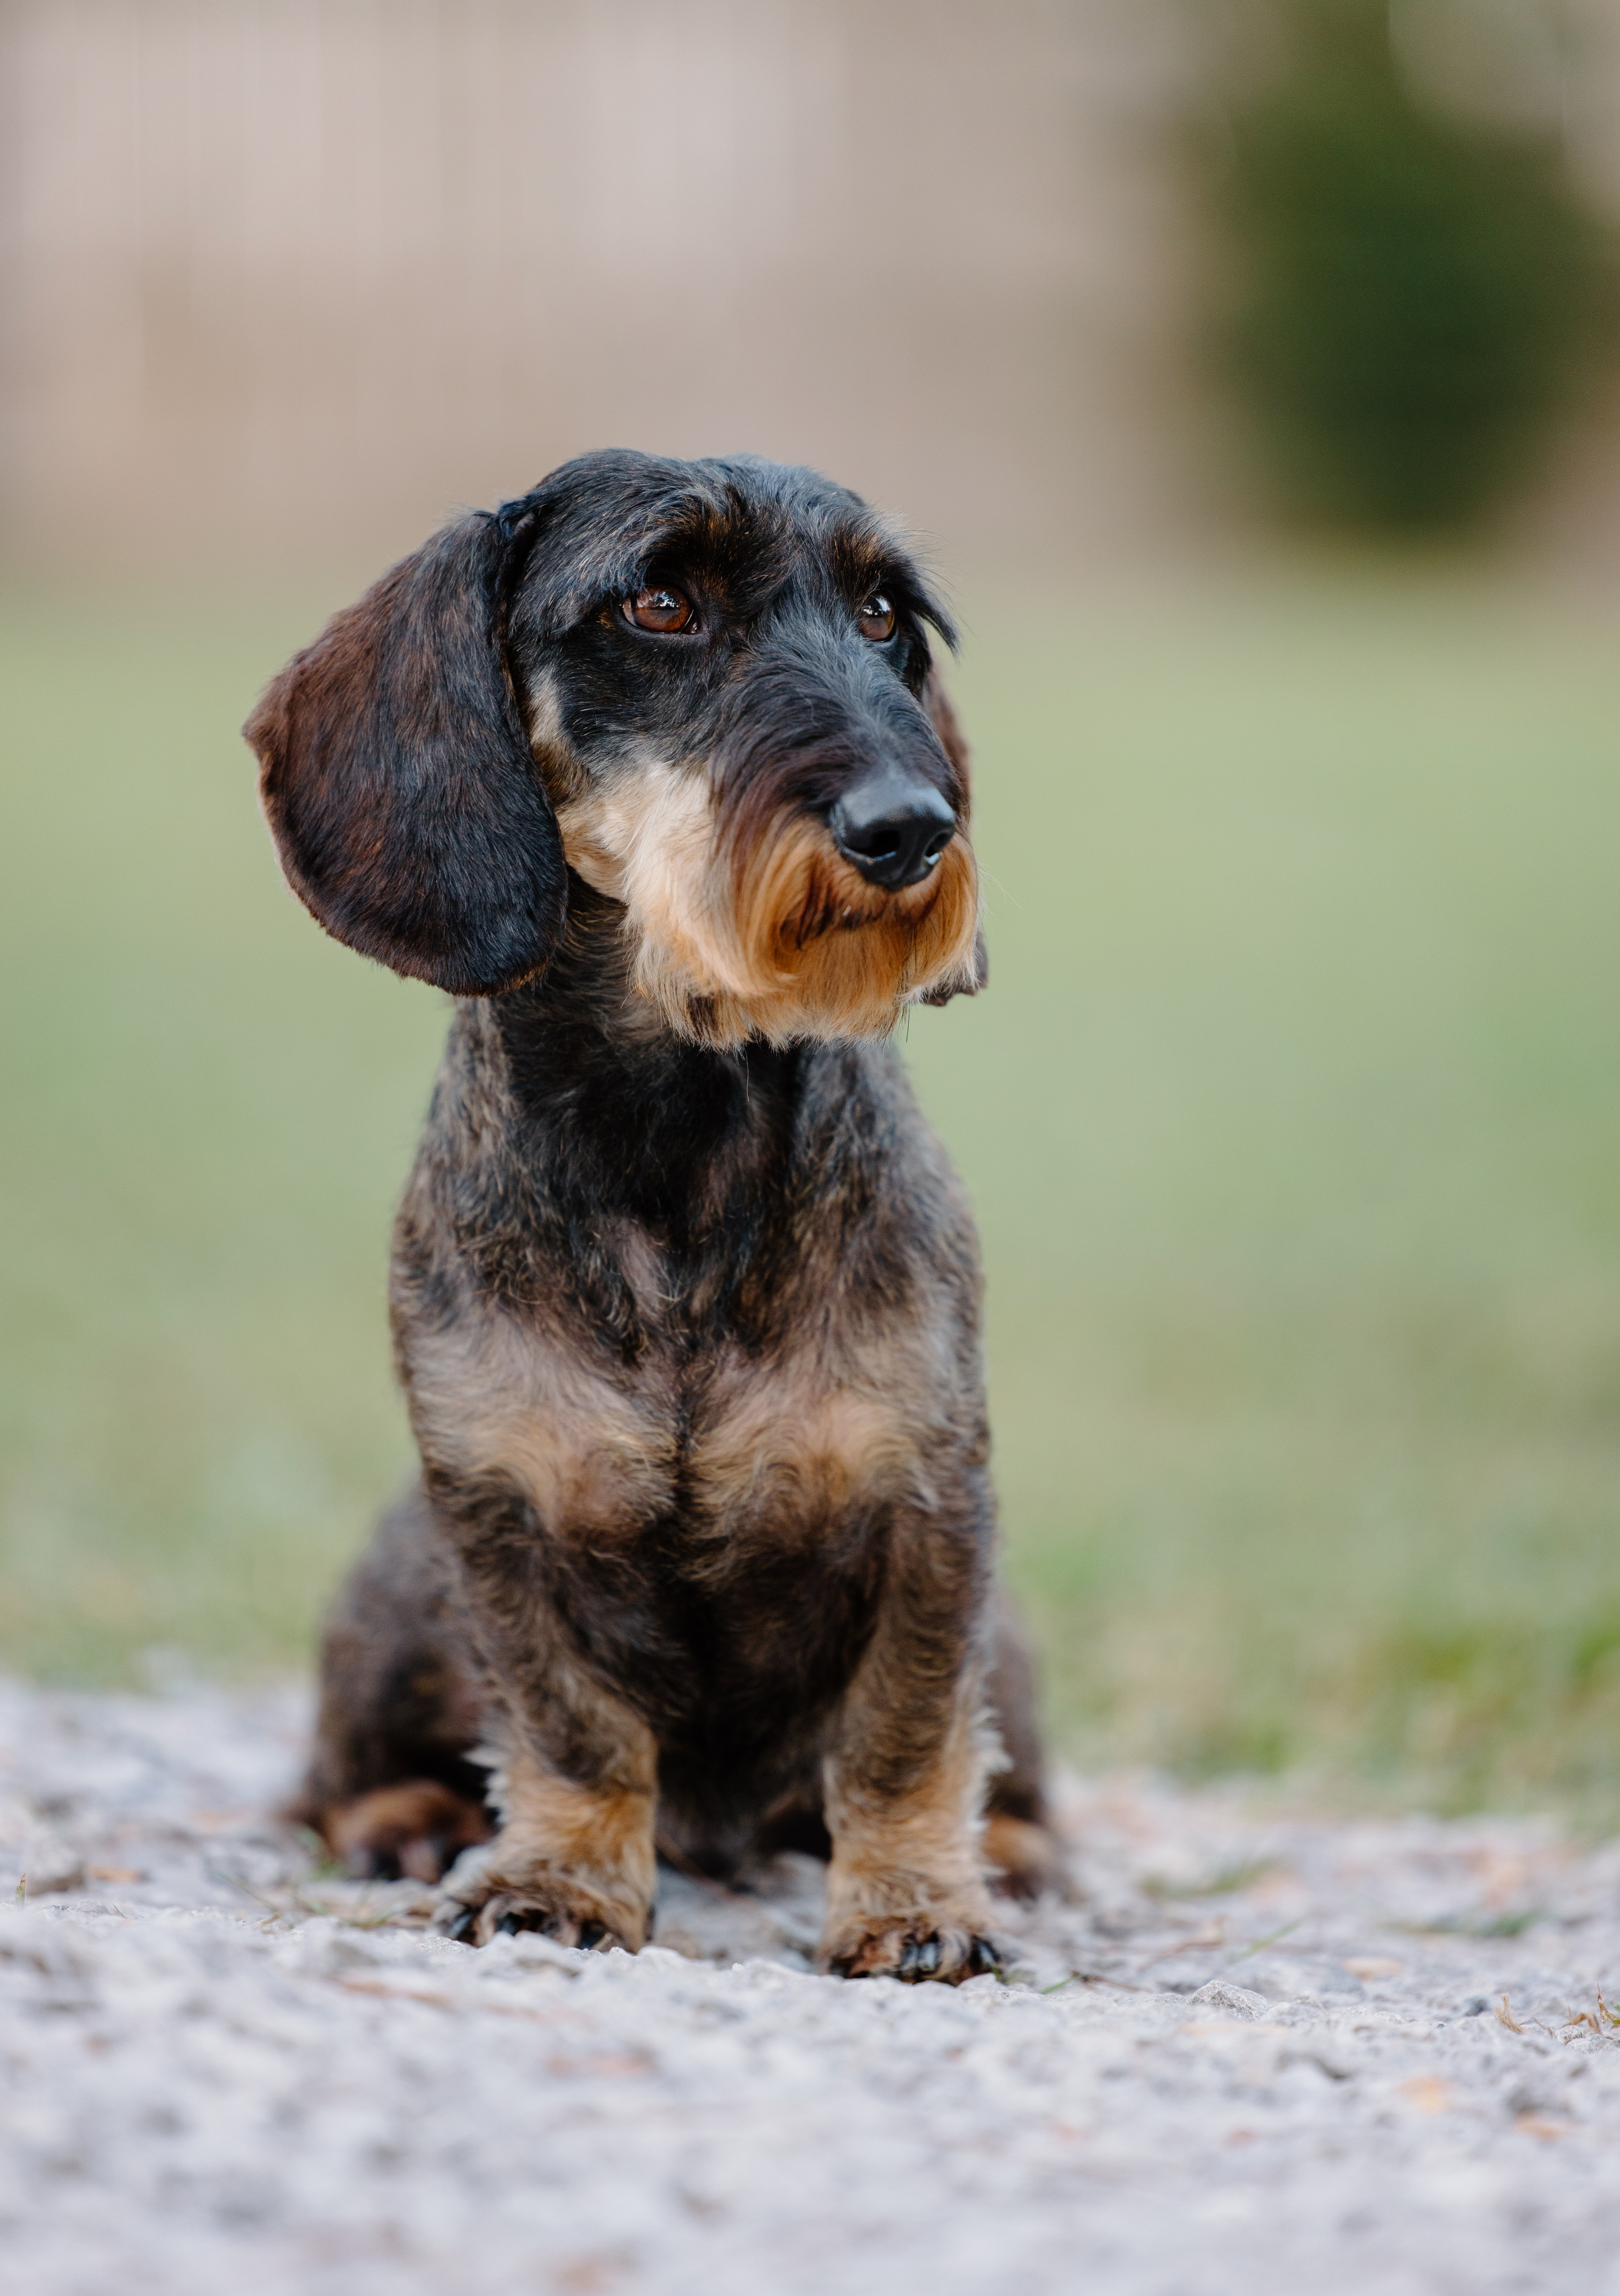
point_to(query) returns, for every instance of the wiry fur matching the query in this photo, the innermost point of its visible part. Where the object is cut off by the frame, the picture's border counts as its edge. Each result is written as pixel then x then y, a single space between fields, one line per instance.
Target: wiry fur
pixel 772 936
pixel 685 1295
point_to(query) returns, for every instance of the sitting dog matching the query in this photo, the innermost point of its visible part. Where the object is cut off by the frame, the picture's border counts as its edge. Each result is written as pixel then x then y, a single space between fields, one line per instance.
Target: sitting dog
pixel 652 771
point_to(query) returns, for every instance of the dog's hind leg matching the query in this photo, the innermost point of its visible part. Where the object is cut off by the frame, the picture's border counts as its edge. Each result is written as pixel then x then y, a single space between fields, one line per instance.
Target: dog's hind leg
pixel 391 1787
pixel 1025 1857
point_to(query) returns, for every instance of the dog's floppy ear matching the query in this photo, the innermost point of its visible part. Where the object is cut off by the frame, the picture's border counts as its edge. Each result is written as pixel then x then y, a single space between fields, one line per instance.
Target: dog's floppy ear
pixel 953 742
pixel 948 727
pixel 398 782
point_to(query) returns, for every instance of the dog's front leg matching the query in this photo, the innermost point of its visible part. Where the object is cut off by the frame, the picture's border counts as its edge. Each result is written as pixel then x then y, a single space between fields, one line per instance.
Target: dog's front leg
pixel 905 1785
pixel 576 1789
pixel 573 1861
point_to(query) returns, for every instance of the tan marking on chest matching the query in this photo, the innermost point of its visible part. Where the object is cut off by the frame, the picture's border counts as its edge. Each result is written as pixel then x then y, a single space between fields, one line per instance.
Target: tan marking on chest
pixel 493 1397
pixel 781 1446
pixel 791 1444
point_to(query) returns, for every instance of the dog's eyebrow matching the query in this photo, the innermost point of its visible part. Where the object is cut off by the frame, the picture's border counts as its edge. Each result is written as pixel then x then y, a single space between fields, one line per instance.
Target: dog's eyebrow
pixel 876 555
pixel 572 574
pixel 590 545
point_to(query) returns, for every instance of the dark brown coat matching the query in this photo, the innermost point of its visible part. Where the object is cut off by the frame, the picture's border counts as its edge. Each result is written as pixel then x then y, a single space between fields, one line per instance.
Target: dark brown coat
pixel 685 1294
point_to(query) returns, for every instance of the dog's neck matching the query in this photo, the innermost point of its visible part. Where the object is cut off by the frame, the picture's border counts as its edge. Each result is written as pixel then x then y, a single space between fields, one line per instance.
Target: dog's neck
pixel 617 1106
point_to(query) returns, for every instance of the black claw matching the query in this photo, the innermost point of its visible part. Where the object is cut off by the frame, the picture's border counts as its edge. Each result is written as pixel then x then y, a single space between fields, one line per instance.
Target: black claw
pixel 513 1922
pixel 982 1958
pixel 462 1926
pixel 919 1957
pixel 592 1934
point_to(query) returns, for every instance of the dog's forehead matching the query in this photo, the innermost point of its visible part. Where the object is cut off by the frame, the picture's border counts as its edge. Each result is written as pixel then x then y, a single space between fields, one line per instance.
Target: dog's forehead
pixel 602 522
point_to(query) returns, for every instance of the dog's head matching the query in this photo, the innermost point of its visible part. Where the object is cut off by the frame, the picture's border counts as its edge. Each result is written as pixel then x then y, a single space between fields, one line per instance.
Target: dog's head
pixel 706 688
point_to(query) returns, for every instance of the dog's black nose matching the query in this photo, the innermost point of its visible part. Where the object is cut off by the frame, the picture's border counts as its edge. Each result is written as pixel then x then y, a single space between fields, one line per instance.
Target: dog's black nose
pixel 893 826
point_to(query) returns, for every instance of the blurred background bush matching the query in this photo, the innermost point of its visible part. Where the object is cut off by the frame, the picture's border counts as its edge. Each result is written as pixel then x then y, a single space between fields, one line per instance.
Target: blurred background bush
pixel 1418 289
pixel 1293 1117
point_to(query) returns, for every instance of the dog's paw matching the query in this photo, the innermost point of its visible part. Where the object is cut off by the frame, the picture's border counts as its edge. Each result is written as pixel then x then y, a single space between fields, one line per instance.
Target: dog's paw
pixel 918 1951
pixel 1025 1861
pixel 410 1832
pixel 479 1902
pixel 510 1911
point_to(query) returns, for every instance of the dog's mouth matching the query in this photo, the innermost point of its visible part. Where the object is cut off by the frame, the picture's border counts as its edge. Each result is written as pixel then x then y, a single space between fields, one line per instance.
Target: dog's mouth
pixel 838 899
pixel 806 924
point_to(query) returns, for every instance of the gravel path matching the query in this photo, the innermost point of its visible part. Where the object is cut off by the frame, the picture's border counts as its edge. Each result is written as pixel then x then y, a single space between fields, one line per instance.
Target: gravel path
pixel 1261 2054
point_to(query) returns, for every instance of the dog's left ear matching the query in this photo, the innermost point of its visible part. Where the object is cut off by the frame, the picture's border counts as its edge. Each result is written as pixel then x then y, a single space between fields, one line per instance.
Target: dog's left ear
pixel 398 782
pixel 953 742
pixel 947 727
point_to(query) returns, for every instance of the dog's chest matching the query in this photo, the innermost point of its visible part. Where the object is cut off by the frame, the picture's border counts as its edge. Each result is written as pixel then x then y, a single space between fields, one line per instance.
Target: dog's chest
pixel 777 1345
pixel 725 1442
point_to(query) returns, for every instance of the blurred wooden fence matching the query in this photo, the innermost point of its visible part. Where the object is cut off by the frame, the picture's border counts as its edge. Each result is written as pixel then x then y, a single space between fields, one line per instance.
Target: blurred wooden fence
pixel 287 278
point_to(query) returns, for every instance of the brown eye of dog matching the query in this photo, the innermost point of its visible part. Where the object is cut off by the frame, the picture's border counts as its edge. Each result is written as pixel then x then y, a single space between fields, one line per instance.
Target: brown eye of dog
pixel 659 609
pixel 877 619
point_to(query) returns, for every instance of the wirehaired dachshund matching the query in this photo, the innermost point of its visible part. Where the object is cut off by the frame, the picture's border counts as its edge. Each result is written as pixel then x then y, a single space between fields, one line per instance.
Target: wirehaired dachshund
pixel 652 769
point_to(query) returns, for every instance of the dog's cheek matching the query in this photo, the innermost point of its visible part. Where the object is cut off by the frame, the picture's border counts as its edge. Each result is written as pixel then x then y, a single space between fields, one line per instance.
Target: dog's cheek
pixel 643 837
pixel 561 767
pixel 588 847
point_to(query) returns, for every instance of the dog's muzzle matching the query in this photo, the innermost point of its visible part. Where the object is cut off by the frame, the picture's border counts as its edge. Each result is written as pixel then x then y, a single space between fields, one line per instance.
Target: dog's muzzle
pixel 893 827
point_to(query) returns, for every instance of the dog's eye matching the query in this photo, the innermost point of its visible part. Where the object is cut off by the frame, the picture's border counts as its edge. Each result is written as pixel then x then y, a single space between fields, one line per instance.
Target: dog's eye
pixel 660 609
pixel 876 618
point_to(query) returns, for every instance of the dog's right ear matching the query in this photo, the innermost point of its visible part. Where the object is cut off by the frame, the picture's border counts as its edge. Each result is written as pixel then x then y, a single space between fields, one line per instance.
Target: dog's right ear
pixel 397 779
pixel 953 742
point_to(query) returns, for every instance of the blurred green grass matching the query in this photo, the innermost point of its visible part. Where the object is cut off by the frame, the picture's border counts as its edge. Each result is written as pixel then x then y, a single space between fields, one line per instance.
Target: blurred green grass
pixel 1292 1116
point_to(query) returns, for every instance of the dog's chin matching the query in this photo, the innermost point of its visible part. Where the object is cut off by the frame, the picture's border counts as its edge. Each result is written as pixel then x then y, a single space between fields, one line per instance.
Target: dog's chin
pixel 806 951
